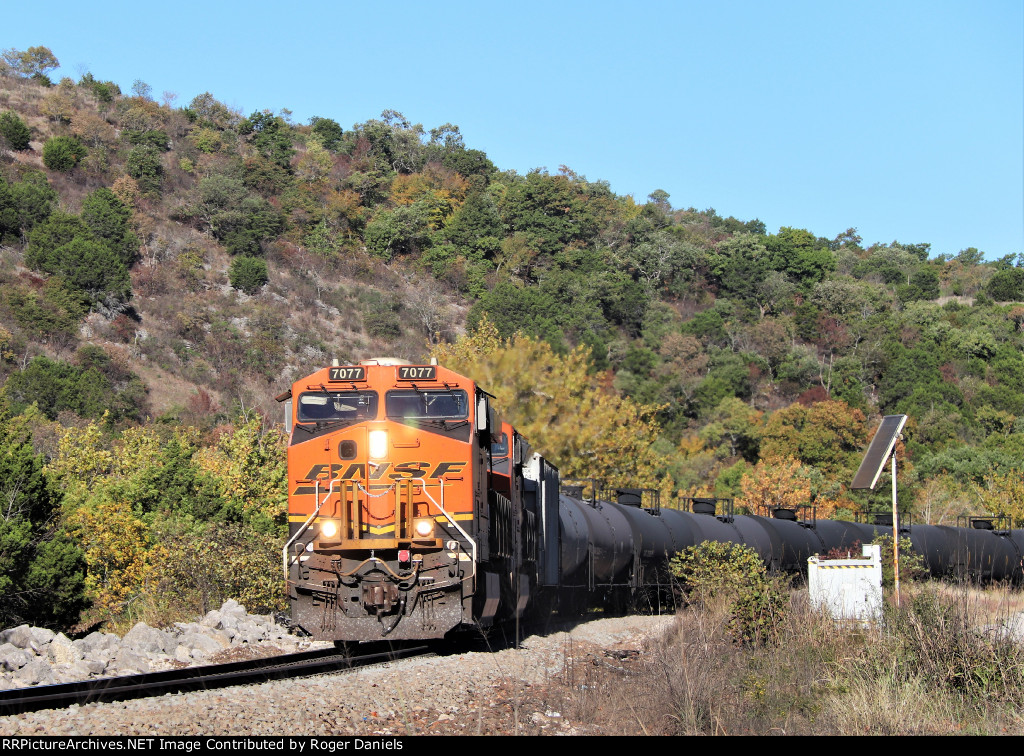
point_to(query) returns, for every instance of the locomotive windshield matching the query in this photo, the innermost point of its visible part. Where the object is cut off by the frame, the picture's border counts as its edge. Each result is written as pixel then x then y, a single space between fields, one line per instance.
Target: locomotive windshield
pixel 427 405
pixel 499 446
pixel 337 405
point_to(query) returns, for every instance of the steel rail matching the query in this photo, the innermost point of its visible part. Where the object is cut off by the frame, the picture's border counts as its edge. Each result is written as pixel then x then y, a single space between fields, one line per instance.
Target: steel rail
pixel 18 700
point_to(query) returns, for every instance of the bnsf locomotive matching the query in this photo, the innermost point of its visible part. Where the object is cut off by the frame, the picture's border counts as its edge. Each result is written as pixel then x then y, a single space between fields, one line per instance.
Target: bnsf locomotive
pixel 407 508
pixel 414 511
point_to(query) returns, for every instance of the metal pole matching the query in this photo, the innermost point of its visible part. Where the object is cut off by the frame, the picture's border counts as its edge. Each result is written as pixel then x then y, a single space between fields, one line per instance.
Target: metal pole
pixel 895 533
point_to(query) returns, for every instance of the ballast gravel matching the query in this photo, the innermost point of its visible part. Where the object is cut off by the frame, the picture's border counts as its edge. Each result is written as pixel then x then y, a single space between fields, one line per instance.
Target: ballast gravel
pixel 511 691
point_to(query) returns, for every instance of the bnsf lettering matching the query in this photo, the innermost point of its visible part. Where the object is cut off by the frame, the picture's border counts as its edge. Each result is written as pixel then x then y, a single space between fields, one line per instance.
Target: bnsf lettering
pixel 409 470
pixel 357 471
pixel 411 373
pixel 317 471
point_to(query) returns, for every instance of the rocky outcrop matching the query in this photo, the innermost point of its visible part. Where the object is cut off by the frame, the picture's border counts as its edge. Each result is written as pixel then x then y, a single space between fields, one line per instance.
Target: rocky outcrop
pixel 37 656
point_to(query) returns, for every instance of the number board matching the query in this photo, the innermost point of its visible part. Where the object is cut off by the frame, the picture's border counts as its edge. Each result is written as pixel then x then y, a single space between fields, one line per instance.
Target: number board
pixel 347 374
pixel 417 372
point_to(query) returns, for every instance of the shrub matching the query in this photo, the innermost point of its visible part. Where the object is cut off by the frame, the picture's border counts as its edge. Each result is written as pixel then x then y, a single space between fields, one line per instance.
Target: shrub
pixel 155 138
pixel 1006 285
pixel 34 198
pixel 248 274
pixel 109 219
pixel 736 574
pixel 14 131
pixel 144 165
pixel 41 570
pixel 912 564
pixel 62 153
pixel 91 268
pixel 715 568
pixel 93 389
pixel 381 316
pixel 55 310
pixel 217 561
pixel 103 91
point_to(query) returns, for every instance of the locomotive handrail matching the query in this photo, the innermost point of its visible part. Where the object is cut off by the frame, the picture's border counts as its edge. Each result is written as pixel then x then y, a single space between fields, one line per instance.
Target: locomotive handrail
pixel 450 519
pixel 305 525
pixel 380 495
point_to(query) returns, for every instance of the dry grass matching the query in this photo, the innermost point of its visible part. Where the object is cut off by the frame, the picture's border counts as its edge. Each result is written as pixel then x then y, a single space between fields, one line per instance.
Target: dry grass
pixel 942 663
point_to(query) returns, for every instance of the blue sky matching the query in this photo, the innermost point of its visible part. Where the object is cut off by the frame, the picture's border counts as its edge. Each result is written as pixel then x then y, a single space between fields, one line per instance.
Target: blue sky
pixel 904 119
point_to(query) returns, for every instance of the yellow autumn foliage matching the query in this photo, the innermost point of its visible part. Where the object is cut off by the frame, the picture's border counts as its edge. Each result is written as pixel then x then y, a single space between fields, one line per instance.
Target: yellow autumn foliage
pixel 775 482
pixel 1003 494
pixel 251 471
pixel 117 550
pixel 581 426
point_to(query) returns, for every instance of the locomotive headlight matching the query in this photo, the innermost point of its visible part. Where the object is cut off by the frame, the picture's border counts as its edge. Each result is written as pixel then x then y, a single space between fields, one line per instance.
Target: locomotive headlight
pixel 378 444
pixel 423 526
pixel 328 529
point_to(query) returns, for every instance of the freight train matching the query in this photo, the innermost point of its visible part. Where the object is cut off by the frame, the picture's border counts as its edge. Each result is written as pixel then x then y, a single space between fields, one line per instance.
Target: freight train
pixel 415 511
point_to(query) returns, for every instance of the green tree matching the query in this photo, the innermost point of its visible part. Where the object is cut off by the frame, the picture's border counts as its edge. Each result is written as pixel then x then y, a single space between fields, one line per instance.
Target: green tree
pixel 1006 285
pixel 54 310
pixel 41 571
pixel 270 136
pixel 248 274
pixel 93 388
pixel 518 309
pixel 90 267
pixel 827 435
pixel 329 131
pixel 923 285
pixel 14 131
pixel 63 153
pixel 734 427
pixel 103 91
pixel 145 166
pixel 552 211
pixel 799 254
pixel 57 230
pixel 10 225
pixel 155 138
pixel 475 226
pixel 34 198
pixel 64 246
pixel 109 219
pixel 740 265
pixel 399 231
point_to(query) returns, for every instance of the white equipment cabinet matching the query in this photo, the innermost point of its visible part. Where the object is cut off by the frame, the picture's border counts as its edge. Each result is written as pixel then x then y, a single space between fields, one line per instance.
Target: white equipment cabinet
pixel 850 589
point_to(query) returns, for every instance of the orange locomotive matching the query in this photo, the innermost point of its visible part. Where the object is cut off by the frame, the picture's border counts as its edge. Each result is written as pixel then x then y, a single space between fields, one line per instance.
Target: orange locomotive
pixel 401 519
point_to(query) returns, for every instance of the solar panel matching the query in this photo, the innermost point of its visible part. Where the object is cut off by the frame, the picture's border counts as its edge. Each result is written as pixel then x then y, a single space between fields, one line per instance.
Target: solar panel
pixel 878 451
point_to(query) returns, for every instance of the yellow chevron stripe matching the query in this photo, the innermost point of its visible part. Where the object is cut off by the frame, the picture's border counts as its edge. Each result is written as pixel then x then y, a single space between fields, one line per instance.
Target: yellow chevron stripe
pixel 845 566
pixel 440 518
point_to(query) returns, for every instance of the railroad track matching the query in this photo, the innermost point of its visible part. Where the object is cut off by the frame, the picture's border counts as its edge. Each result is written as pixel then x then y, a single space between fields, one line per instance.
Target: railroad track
pixel 207 677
